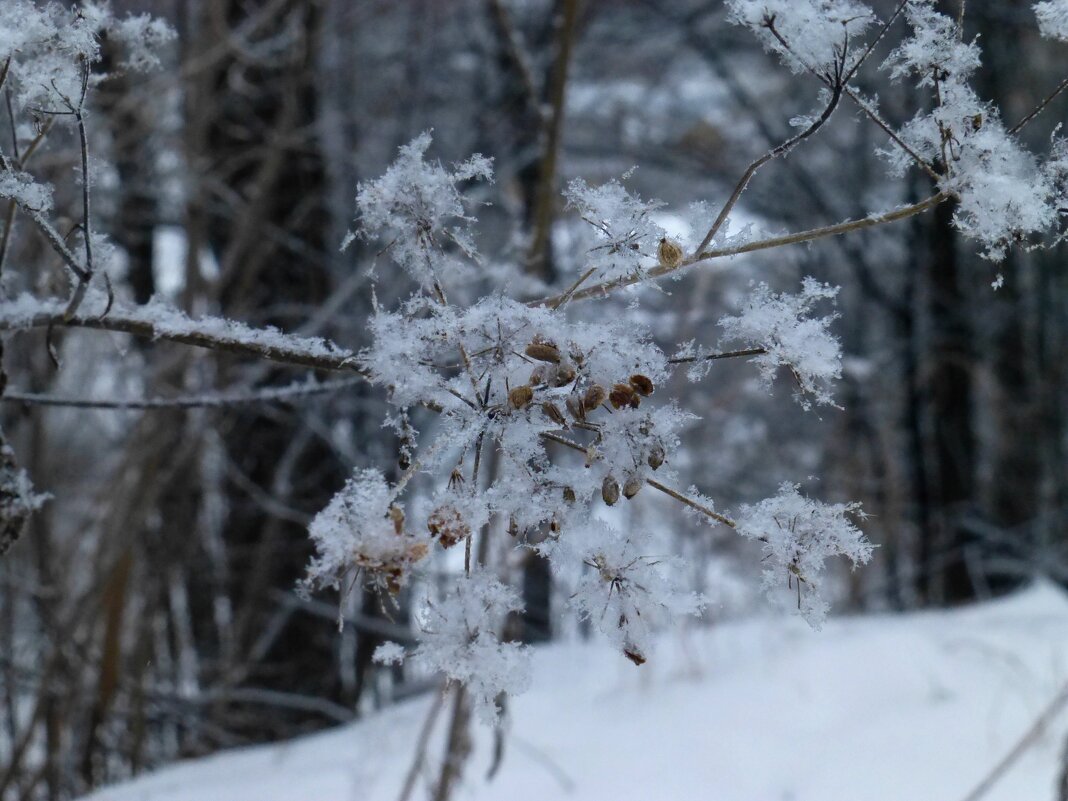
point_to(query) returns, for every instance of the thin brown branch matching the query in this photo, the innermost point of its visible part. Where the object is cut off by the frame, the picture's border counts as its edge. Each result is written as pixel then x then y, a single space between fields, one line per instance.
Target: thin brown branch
pixel 730 354
pixel 284 394
pixel 780 150
pixel 331 357
pixel 605 288
pixel 1040 107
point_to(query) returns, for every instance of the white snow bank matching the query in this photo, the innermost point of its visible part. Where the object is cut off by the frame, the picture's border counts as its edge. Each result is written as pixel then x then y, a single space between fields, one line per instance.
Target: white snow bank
pixel 885 708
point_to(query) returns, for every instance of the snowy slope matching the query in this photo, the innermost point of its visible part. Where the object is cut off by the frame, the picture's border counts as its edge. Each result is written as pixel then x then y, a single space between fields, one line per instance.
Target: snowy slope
pixel 913 707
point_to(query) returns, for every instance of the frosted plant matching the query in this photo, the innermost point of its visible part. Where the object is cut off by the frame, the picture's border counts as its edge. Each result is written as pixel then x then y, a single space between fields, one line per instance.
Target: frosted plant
pixel 627 235
pixel 782 327
pixel 416 207
pixel 798 536
pixel 626 588
pixel 458 637
pixel 805 34
pixel 1003 193
pixel 1053 19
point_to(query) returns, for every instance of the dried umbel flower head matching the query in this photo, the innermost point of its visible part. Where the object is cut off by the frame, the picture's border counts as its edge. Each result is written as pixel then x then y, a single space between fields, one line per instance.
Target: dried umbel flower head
pixel 520 397
pixel 642 384
pixel 669 253
pixel 447 525
pixel 609 490
pixel 594 397
pixel 623 395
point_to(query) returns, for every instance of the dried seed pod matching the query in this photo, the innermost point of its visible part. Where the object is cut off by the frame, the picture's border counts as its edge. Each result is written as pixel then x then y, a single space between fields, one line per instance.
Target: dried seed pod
pixel 632 487
pixel 552 411
pixel 609 490
pixel 554 525
pixel 669 253
pixel 543 351
pixel 569 494
pixel 574 407
pixel 396 514
pixel 538 376
pixel 634 655
pixel 642 384
pixel 513 527
pixel 622 395
pixel 563 375
pixel 656 456
pixel 594 397
pixel 520 397
pixel 448 526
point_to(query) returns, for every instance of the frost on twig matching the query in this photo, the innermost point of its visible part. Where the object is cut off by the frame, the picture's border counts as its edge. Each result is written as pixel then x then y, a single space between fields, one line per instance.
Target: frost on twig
pixel 814 29
pixel 626 236
pixel 783 326
pixel 458 637
pixel 362 529
pixel 1053 19
pixel 626 588
pixel 1004 193
pixel 799 535
pixel 417 211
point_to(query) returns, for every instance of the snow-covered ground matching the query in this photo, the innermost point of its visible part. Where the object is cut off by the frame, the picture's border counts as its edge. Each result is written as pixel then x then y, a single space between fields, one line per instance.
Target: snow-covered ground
pixel 888 708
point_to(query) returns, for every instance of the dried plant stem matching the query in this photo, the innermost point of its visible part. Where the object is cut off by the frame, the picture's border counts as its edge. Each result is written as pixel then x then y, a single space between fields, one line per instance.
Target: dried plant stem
pixel 605 288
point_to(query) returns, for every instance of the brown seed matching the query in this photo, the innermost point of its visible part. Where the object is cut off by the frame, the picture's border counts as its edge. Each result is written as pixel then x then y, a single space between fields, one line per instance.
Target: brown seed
pixel 669 253
pixel 537 376
pixel 520 397
pixel 569 494
pixel 634 655
pixel 513 527
pixel 632 487
pixel 563 375
pixel 574 407
pixel 396 514
pixel 642 384
pixel 594 397
pixel 656 456
pixel 609 490
pixel 543 351
pixel 552 411
pixel 621 395
pixel 554 525
pixel 448 525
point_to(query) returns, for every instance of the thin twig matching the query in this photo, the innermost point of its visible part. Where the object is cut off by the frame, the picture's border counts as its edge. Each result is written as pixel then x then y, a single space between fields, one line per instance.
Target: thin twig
pixel 287 393
pixel 421 745
pixel 1040 107
pixel 1028 739
pixel 730 354
pixel 605 288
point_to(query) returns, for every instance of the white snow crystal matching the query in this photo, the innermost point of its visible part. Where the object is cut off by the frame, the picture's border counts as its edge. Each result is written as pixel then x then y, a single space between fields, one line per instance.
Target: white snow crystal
pixel 1053 19
pixel 783 325
pixel 799 535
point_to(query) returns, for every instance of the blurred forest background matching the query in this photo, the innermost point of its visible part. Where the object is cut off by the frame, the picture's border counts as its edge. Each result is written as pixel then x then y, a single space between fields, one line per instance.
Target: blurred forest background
pixel 149 611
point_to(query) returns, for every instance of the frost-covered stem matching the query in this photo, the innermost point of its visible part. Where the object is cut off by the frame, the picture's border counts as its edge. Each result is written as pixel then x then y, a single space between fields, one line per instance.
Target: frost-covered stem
pixel 730 354
pixel 605 288
pixel 265 395
pixel 459 745
pixel 50 233
pixel 868 111
pixel 780 150
pixel 1040 107
pixel 678 496
pixel 651 482
pixel 342 361
pixel 875 41
pixel 421 746
pixel 574 287
pixel 474 486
